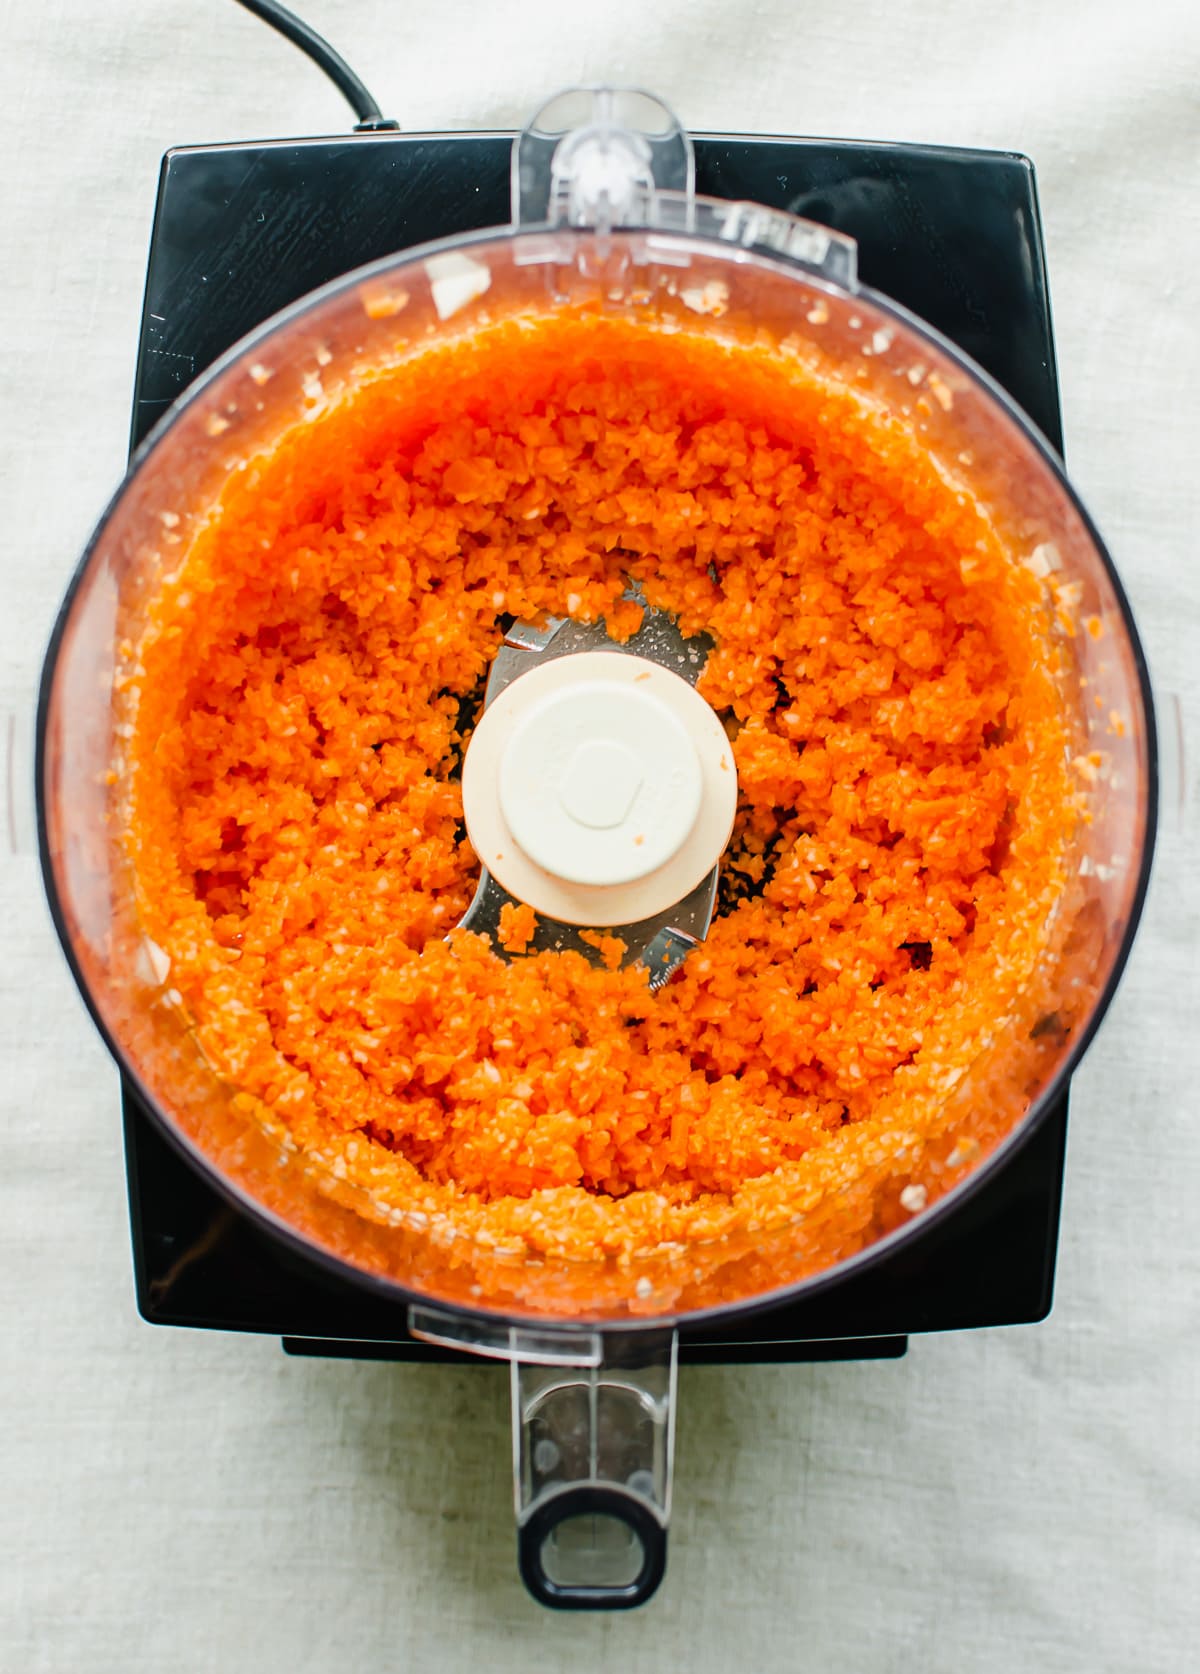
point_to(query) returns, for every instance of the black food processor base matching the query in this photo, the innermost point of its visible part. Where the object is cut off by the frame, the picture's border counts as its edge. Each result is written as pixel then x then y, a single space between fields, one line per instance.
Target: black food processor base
pixel 242 230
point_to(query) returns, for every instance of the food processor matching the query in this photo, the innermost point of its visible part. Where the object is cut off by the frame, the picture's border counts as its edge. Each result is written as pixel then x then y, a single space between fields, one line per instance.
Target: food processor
pixel 604 210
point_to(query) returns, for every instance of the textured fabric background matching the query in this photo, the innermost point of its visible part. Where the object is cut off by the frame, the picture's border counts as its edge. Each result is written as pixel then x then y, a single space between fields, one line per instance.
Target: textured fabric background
pixel 1008 1500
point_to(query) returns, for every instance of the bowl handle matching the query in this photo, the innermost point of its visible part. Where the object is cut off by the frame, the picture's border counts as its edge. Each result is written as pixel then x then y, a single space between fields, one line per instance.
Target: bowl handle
pixel 593 1427
pixel 592 1457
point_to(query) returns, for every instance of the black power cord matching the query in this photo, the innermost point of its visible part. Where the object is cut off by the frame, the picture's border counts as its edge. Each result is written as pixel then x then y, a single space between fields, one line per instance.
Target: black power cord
pixel 294 29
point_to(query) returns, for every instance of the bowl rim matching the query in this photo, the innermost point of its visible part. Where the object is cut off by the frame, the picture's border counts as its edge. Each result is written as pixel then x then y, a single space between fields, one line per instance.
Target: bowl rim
pixel 390 1290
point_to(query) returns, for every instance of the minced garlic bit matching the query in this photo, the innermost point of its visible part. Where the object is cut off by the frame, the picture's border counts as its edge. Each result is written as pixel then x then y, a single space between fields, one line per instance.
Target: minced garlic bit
pixel 710 298
pixel 881 341
pixel 941 391
pixel 455 279
pixel 1043 561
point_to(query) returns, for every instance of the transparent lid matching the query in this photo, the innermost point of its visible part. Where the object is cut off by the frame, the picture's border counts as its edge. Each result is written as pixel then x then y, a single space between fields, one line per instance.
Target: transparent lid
pixel 604 216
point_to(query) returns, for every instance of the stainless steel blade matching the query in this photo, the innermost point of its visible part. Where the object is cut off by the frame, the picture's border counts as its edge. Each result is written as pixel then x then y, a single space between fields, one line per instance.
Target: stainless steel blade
pixel 660 943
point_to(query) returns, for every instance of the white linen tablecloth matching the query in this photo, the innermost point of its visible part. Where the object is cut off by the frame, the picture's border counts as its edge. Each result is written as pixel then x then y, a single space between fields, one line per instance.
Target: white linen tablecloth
pixel 1023 1499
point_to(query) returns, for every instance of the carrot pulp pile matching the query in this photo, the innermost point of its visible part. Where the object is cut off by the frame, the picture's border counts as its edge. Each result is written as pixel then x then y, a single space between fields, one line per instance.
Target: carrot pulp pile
pixel 308 682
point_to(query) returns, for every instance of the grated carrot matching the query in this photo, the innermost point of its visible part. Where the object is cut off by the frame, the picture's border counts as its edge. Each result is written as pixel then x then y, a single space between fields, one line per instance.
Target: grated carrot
pixel 610 948
pixel 882 669
pixel 517 924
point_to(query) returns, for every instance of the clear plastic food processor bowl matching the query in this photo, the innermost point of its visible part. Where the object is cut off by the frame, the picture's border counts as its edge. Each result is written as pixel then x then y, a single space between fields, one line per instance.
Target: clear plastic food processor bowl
pixel 603 206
